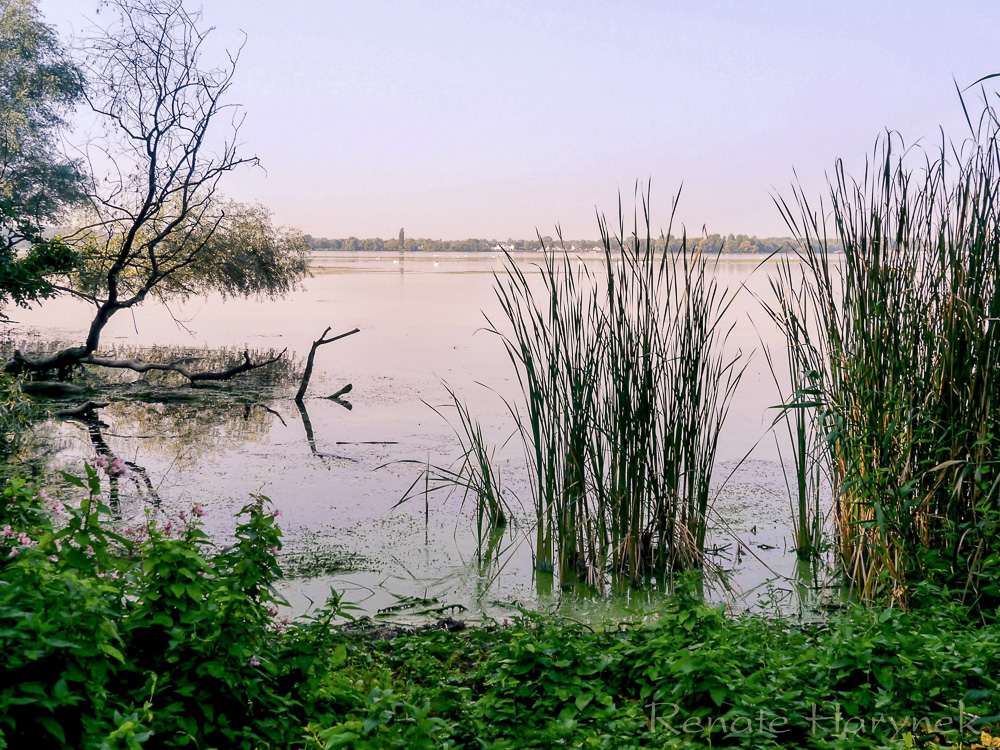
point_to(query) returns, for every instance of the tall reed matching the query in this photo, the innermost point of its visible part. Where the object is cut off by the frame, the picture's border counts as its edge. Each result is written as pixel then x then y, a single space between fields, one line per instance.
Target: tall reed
pixel 796 415
pixel 905 346
pixel 625 388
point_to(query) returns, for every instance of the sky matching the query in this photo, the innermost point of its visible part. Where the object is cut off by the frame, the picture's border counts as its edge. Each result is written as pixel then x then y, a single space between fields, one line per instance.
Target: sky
pixel 499 118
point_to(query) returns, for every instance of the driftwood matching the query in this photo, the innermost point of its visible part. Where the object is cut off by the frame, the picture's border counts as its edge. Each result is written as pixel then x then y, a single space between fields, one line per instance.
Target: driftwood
pixel 312 356
pixel 342 392
pixel 179 366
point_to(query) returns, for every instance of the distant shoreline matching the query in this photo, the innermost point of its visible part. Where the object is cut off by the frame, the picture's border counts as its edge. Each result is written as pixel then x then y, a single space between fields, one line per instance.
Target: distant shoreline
pixel 728 244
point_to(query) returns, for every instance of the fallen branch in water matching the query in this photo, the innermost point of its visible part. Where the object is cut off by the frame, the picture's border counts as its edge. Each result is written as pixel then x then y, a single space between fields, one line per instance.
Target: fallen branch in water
pixel 312 356
pixel 178 366
pixel 336 396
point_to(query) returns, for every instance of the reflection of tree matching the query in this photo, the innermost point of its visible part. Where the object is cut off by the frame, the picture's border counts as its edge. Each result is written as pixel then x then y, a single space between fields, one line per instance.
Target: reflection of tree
pixel 185 432
pixel 87 416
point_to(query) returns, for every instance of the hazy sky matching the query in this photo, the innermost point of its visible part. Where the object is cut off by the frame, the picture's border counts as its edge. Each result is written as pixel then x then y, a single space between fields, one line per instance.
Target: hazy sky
pixel 491 118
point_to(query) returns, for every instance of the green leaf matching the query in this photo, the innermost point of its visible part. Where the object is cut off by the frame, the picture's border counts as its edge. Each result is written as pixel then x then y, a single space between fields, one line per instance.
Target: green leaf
pixel 111 651
pixel 53 727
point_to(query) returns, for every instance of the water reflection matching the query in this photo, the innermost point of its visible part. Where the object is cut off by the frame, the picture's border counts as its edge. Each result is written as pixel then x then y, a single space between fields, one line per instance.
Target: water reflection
pixel 320 462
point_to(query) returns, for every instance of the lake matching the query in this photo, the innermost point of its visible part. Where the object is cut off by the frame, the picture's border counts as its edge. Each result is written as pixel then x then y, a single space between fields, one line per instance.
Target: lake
pixel 421 319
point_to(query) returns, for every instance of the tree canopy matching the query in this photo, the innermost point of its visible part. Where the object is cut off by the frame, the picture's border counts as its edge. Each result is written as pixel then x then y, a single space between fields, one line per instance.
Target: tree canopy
pixel 153 222
pixel 39 84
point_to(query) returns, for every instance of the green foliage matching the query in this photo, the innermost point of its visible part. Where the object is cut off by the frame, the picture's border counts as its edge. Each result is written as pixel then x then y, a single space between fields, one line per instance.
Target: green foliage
pixel 132 638
pixel 109 641
pixel 38 83
pixel 16 413
pixel 226 247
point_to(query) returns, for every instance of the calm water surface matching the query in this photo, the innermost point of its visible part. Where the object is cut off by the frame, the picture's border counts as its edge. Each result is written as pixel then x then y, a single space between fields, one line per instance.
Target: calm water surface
pixel 421 321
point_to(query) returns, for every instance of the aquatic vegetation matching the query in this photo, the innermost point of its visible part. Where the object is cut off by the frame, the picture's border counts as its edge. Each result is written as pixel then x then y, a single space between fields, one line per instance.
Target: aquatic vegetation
pixel 901 353
pixel 625 386
pixel 797 412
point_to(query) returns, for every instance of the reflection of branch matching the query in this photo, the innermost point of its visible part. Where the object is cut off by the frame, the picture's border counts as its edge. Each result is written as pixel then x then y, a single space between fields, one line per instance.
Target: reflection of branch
pixel 307 423
pixel 312 356
pixel 138 365
pixel 87 416
pixel 272 411
pixel 336 397
pixel 84 412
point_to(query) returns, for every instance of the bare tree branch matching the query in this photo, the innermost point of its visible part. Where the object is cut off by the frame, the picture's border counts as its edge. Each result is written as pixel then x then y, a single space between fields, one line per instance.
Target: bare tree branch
pixel 312 356
pixel 155 225
pixel 178 366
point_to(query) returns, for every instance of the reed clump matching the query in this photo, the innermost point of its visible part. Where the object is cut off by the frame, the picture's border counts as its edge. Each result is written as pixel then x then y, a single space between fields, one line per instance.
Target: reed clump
pixel 899 342
pixel 625 386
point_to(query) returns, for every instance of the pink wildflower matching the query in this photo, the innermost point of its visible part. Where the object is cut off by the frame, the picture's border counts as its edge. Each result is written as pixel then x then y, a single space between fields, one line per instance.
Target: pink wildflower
pixel 275 513
pixel 254 661
pixel 7 531
pixel 14 551
pixel 197 511
pixel 102 462
pixel 118 468
pixel 272 611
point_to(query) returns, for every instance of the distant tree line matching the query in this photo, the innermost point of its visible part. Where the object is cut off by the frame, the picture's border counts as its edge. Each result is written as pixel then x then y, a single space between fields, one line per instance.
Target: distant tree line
pixel 712 243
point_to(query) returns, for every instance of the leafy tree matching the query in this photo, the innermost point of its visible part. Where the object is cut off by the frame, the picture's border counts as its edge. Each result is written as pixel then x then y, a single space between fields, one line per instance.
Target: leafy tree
pixel 38 86
pixel 155 224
